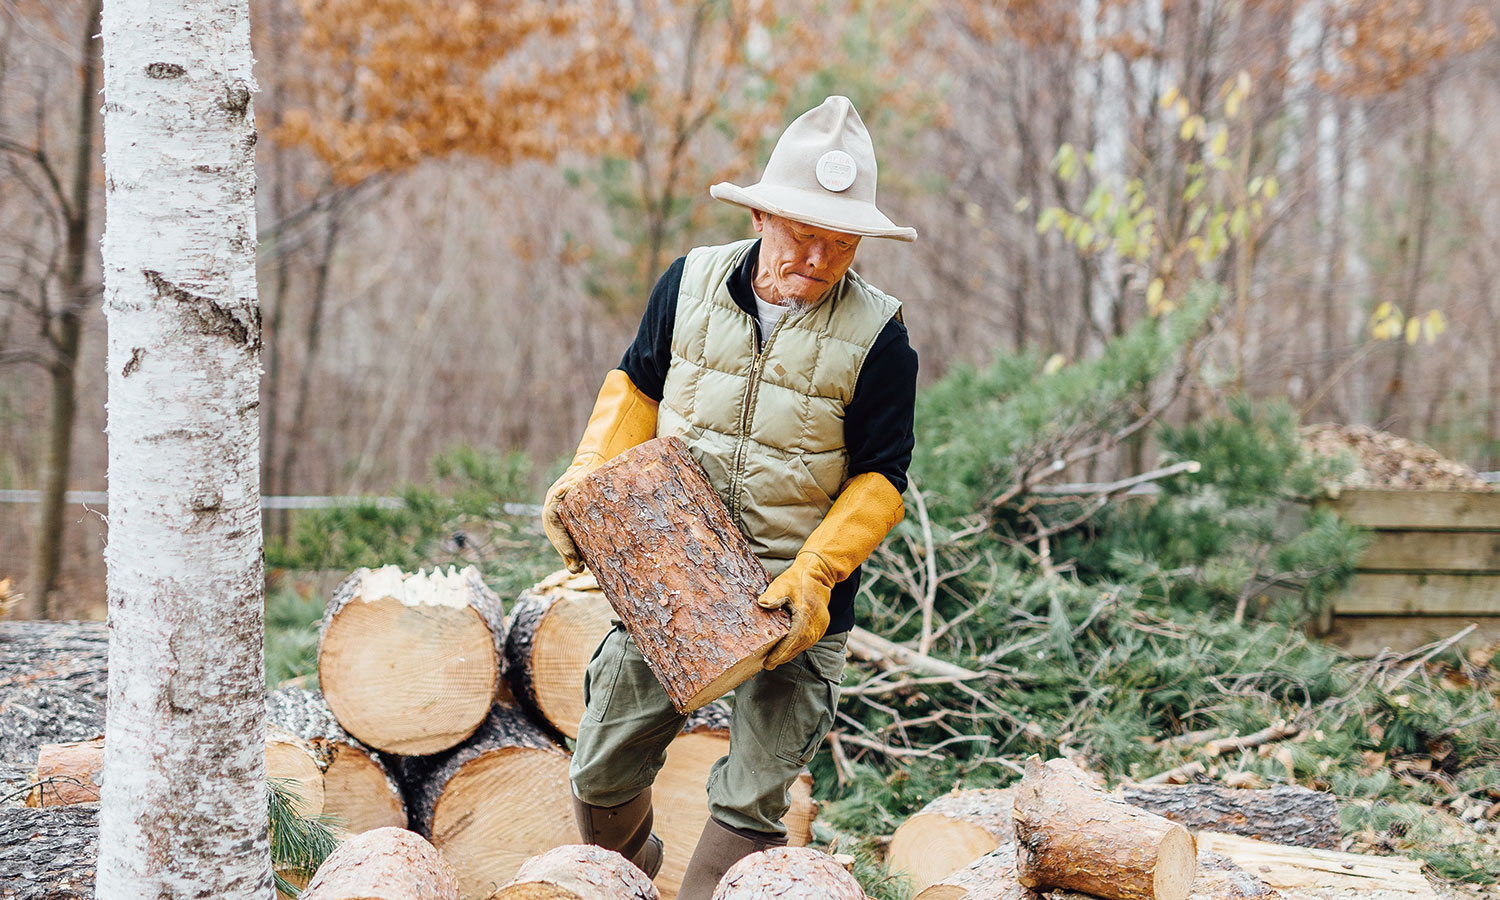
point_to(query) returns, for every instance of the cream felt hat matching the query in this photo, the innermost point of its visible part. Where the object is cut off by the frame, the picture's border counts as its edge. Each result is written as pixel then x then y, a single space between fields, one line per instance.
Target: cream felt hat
pixel 822 172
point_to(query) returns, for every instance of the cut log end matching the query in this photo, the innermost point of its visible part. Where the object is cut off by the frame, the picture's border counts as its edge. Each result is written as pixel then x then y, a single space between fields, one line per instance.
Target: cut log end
pixel 949 834
pixel 578 872
pixel 731 678
pixel 1176 865
pixel 384 864
pixel 788 873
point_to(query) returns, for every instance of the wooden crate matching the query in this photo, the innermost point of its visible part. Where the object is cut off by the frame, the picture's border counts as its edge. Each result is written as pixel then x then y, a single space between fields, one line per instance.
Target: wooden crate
pixel 1433 568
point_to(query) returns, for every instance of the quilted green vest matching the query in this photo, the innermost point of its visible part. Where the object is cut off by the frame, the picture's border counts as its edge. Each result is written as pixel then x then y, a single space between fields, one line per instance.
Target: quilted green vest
pixel 767 426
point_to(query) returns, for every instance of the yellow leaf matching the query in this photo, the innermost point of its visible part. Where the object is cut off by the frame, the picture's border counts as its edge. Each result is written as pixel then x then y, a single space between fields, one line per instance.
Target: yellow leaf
pixel 1181 108
pixel 1383 310
pixel 1054 363
pixel 1154 293
pixel 1023 204
pixel 1272 188
pixel 1220 142
pixel 1232 106
pixel 1170 97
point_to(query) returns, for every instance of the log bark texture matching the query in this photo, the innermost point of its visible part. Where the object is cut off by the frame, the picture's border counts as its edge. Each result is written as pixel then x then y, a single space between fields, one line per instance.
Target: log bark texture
pixel 53 678
pixel 676 569
pixel 1285 814
pixel 496 800
pixel 49 853
pixel 950 833
pixel 578 872
pixel 359 789
pixel 384 864
pixel 1072 835
pixel 788 873
pixel 411 664
pixel 1218 879
pixel 67 774
pixel 991 877
pixel 555 627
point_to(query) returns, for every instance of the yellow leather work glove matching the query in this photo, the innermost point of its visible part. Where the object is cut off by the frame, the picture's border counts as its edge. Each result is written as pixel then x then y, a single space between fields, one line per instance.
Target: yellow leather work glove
pixel 623 417
pixel 864 513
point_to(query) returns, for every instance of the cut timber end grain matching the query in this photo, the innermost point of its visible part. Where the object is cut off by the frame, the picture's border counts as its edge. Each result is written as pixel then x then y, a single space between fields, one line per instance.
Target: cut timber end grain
pixel 67 774
pixel 1072 835
pixel 384 864
pixel 299 766
pixel 788 873
pixel 555 627
pixel 950 833
pixel 991 877
pixel 411 664
pixel 676 569
pixel 496 800
pixel 578 872
pixel 359 791
pixel 681 800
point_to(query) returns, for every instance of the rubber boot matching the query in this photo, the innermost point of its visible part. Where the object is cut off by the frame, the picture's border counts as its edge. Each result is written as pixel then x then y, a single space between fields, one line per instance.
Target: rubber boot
pixel 625 829
pixel 719 847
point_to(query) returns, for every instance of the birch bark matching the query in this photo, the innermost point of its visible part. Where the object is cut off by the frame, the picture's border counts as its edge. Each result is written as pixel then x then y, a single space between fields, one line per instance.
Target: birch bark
pixel 183 808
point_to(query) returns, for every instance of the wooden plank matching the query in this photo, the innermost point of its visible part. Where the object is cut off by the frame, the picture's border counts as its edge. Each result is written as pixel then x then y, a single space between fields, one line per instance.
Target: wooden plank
pixel 1432 551
pixel 1461 510
pixel 1309 872
pixel 1390 594
pixel 1368 635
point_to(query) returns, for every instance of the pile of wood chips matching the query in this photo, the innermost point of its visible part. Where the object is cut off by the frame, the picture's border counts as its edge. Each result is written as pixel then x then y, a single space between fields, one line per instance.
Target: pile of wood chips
pixel 1384 460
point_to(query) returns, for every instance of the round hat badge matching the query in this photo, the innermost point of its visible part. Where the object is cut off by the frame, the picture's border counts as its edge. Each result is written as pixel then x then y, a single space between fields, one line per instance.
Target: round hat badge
pixel 836 170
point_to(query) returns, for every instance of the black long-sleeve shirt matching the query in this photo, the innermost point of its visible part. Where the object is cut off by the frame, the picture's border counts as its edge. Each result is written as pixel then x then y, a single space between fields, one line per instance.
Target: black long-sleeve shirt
pixel 877 421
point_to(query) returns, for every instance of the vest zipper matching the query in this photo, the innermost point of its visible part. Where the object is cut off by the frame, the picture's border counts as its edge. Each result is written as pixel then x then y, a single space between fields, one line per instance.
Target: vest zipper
pixel 738 481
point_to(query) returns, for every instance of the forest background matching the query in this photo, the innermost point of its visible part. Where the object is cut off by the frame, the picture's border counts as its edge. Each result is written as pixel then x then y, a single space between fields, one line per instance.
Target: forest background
pixel 462 207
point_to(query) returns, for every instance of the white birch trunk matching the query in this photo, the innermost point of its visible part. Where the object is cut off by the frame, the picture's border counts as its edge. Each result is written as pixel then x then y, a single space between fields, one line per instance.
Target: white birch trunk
pixel 183 806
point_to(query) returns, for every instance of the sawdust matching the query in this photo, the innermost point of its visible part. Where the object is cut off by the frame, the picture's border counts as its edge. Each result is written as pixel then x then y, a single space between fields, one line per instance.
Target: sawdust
pixel 1384 460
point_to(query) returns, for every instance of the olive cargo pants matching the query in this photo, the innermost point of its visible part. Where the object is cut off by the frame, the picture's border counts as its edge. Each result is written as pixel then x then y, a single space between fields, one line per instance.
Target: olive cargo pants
pixel 780 717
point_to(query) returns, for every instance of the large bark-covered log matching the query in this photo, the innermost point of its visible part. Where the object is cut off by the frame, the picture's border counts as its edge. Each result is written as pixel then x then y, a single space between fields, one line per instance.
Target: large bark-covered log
pixel 1218 879
pixel 53 681
pixel 384 864
pixel 788 873
pixel 48 853
pixel 494 801
pixel 578 872
pixel 950 833
pixel 1285 814
pixel 360 792
pixel 554 629
pixel 680 800
pixel 676 569
pixel 411 663
pixel 67 774
pixel 991 877
pixel 1072 835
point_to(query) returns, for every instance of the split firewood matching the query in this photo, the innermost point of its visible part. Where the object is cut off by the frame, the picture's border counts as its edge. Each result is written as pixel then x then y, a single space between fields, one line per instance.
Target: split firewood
pixel 554 629
pixel 950 833
pixel 991 877
pixel 411 664
pixel 384 864
pixel 1070 834
pixel 360 792
pixel 67 774
pixel 53 682
pixel 788 873
pixel 1285 814
pixel 676 569
pixel 494 801
pixel 578 872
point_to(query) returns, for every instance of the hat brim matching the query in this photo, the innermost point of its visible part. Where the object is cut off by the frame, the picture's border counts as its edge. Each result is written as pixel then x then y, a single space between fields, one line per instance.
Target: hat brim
pixel 822 209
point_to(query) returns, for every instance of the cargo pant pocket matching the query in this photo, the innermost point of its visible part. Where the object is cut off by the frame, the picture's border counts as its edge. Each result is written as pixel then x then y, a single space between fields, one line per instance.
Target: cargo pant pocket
pixel 815 678
pixel 603 673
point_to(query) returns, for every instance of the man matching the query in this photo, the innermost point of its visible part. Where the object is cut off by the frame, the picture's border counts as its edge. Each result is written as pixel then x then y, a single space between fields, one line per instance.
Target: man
pixel 791 381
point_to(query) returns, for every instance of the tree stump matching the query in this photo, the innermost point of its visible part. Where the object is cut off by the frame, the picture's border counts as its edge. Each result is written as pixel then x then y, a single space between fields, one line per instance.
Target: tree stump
pixel 578 872
pixel 991 877
pixel 53 678
pixel 1285 814
pixel 1072 835
pixel 384 864
pixel 950 833
pixel 48 853
pixel 359 790
pixel 788 873
pixel 496 800
pixel 67 774
pixel 676 569
pixel 411 664
pixel 554 629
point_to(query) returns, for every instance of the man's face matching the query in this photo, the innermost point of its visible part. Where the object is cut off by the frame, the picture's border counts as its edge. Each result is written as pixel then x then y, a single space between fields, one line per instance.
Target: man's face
pixel 799 263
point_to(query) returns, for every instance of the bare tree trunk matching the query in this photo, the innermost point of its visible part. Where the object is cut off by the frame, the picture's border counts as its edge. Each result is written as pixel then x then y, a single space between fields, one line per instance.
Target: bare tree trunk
pixel 66 338
pixel 1422 204
pixel 310 359
pixel 183 810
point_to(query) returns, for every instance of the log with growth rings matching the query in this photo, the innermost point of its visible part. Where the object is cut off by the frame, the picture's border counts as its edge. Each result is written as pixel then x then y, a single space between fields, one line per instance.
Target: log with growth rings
pixel 788 873
pixel 578 872
pixel 384 864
